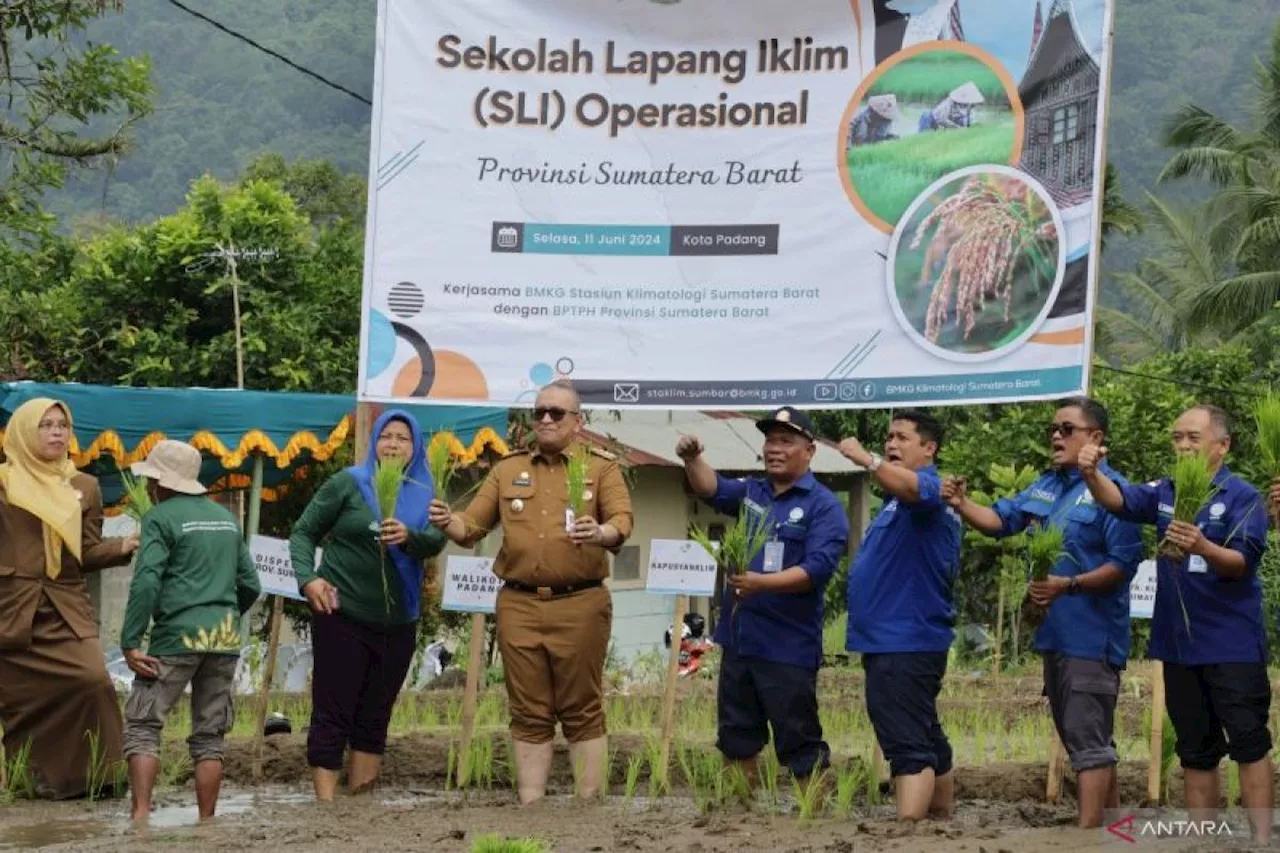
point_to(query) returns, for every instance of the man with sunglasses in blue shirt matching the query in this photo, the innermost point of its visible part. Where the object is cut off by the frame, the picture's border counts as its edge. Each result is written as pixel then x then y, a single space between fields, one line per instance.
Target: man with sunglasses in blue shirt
pixel 1208 626
pixel 1085 635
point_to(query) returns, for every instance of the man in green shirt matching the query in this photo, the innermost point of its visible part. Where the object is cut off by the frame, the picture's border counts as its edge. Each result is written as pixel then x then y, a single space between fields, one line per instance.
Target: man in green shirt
pixel 192 579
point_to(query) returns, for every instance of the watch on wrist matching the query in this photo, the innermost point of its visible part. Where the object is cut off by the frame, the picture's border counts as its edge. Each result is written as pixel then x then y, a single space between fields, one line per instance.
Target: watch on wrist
pixel 875 463
pixel 1073 586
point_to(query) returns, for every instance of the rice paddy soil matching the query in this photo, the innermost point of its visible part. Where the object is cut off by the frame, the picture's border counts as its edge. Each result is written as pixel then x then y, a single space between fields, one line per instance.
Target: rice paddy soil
pixel 1001 804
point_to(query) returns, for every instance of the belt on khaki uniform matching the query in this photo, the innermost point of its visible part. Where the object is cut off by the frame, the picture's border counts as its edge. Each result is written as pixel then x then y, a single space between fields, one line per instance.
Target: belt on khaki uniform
pixel 551 591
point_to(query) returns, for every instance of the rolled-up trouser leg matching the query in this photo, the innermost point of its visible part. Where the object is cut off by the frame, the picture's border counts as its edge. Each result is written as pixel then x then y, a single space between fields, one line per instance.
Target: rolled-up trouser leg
pixel 212 707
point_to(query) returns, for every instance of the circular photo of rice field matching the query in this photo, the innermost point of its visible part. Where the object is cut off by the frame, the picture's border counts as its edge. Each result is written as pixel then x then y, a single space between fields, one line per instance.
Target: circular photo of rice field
pixel 924 113
pixel 976 263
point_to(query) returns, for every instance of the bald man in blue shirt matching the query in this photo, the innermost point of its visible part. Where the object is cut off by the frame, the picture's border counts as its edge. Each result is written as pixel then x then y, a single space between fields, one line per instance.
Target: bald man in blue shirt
pixel 1207 627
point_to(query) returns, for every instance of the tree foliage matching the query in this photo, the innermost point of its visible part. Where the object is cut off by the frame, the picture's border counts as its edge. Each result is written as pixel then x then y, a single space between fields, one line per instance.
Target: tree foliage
pixel 62 103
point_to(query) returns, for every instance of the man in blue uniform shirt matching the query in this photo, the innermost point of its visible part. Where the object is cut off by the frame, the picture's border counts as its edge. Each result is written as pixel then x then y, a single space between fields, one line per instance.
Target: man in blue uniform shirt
pixel 1085 635
pixel 902 611
pixel 1207 626
pixel 770 625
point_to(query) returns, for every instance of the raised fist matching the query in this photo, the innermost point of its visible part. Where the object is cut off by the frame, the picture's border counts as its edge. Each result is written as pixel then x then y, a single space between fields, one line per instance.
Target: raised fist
pixel 1090 457
pixel 689 447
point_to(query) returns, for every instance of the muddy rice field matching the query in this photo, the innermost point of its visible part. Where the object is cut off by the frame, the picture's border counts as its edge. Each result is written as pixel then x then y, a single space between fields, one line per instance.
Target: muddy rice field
pixel 1000 731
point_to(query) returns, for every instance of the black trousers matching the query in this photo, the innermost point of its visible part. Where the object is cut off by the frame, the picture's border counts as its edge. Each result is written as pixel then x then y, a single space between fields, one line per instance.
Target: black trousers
pixel 358 670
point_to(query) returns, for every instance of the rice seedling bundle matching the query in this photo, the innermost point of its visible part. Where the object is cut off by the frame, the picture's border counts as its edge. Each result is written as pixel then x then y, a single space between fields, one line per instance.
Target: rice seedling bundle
pixel 576 474
pixel 137 498
pixel 1267 416
pixel 1192 489
pixel 388 477
pixel 743 541
pixel 444 465
pixel 1044 550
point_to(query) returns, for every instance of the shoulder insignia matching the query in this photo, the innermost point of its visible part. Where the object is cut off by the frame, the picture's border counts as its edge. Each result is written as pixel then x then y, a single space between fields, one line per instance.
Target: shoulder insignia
pixel 519 451
pixel 604 454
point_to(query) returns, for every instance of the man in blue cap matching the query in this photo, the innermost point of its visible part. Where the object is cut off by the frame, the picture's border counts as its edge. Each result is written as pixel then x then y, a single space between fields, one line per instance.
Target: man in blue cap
pixel 770 623
pixel 902 610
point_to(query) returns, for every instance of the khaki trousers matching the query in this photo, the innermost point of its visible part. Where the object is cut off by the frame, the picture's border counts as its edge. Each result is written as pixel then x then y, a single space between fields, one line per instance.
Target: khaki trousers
pixel 553 652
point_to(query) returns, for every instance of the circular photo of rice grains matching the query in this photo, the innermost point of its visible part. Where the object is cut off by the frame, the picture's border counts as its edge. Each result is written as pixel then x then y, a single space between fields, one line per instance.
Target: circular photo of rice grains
pixel 976 263
pixel 923 113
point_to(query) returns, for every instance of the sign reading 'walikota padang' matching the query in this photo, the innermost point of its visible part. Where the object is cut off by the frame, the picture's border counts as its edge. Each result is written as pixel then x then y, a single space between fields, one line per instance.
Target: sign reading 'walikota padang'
pixel 896 199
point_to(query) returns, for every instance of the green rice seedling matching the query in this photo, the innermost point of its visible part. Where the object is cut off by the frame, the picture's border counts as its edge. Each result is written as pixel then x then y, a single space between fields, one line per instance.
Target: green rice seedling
pixel 101 774
pixel 1192 489
pixel 1233 784
pixel 691 767
pixel 453 713
pixel 635 764
pixel 443 464
pixel 175 767
pixel 1044 548
pixel 743 541
pixel 769 769
pixel 450 766
pixel 1267 416
pixel 810 794
pixel 736 784
pixel 659 778
pixel 872 782
pixel 576 471
pixel 498 844
pixel 388 477
pixel 137 500
pixel 848 784
pixel 19 782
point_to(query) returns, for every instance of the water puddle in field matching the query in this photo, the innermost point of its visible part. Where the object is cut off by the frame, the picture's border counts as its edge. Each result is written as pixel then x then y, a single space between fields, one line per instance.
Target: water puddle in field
pixel 112 819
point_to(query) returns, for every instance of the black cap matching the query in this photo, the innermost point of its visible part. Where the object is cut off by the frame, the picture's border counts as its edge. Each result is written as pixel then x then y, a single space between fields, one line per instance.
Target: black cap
pixel 787 418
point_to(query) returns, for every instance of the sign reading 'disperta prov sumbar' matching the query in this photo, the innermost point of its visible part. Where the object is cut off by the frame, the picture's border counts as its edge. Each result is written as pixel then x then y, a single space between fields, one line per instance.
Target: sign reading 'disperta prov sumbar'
pixel 727 203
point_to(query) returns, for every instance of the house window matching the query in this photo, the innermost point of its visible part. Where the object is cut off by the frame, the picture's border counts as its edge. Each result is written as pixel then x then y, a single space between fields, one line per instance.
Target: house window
pixel 626 563
pixel 1066 124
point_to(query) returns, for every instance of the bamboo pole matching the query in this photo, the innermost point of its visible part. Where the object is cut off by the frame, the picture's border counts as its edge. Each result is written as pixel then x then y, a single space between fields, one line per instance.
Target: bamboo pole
pixel 1057 768
pixel 277 612
pixel 669 692
pixel 999 628
pixel 1155 769
pixel 471 692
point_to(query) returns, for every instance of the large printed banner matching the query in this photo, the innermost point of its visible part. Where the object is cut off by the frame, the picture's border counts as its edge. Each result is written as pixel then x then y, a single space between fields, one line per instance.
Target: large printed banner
pixel 729 203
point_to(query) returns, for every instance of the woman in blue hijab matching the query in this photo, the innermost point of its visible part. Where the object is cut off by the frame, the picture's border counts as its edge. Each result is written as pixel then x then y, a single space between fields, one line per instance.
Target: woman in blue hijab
pixel 365 598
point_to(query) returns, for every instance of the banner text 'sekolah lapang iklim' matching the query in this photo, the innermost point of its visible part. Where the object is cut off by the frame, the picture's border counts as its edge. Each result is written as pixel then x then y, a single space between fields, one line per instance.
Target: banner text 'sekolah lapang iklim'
pixel 734 203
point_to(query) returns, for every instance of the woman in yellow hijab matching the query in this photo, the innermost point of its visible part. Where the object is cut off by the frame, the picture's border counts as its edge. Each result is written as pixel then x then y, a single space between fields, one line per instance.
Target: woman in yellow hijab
pixel 55 696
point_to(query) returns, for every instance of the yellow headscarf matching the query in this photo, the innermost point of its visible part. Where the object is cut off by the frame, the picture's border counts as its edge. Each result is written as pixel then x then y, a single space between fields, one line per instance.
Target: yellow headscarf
pixel 41 488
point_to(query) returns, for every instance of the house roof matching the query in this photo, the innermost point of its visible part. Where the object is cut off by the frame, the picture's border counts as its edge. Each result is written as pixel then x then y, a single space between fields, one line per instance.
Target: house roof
pixel 648 438
pixel 1060 45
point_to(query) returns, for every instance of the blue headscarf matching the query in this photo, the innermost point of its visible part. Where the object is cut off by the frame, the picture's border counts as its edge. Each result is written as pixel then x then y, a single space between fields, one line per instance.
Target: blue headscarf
pixel 412 505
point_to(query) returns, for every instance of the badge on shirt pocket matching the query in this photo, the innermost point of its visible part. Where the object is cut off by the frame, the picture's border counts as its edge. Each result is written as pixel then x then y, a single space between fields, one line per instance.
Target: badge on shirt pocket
pixel 773 556
pixel 1197 566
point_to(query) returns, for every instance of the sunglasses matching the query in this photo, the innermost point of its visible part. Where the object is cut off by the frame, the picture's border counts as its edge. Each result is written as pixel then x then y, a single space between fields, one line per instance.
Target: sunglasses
pixel 1066 429
pixel 557 414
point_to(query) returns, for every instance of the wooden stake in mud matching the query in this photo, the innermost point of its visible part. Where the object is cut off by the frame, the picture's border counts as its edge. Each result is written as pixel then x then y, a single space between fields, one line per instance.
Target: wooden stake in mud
pixel 995 669
pixel 669 693
pixel 1057 769
pixel 1155 769
pixel 471 693
pixel 268 676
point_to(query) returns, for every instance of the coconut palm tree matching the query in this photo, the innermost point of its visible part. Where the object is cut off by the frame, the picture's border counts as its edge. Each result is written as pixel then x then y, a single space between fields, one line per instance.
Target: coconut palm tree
pixel 1187 261
pixel 1244 164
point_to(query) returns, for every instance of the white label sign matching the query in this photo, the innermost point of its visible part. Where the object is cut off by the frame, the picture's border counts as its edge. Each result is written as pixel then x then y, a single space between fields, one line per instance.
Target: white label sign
pixel 275 566
pixel 1142 591
pixel 680 567
pixel 470 584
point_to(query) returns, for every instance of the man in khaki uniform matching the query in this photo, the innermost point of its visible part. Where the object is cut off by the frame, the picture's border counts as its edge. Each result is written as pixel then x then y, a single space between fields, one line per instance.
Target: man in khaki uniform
pixel 554 613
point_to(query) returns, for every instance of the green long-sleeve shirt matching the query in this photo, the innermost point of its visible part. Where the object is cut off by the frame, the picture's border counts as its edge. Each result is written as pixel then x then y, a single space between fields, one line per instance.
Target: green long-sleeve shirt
pixel 354 562
pixel 193 577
